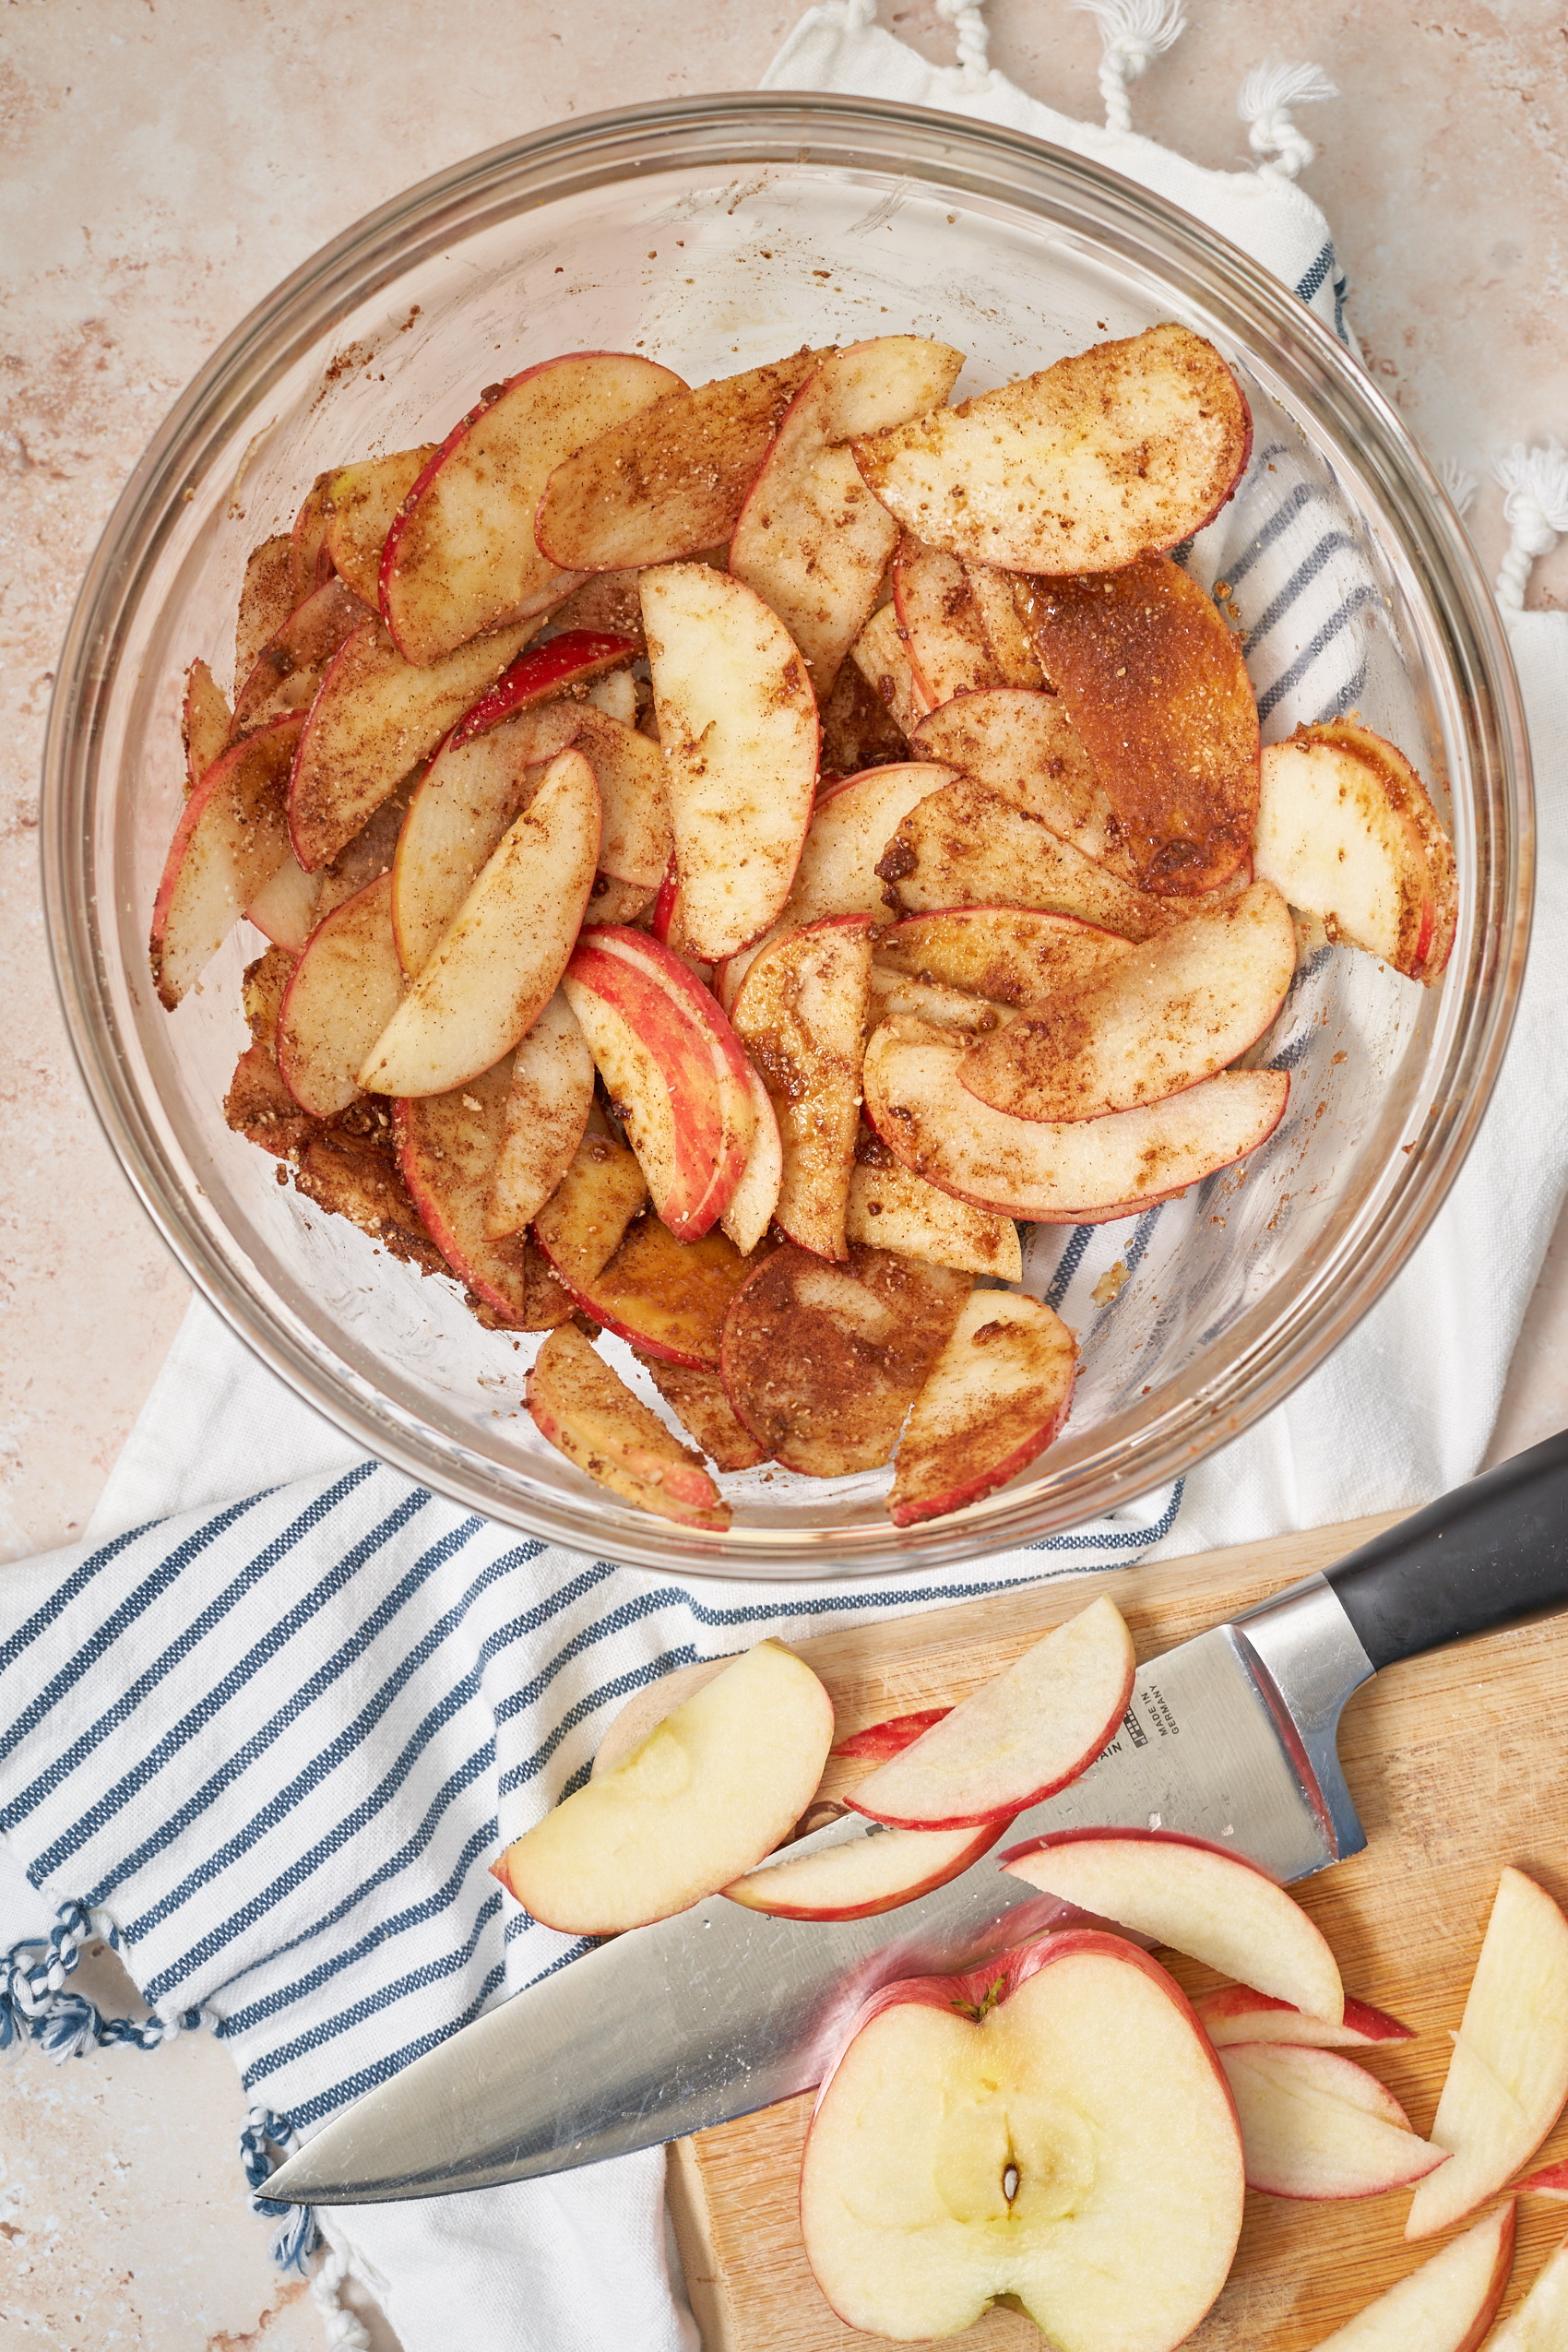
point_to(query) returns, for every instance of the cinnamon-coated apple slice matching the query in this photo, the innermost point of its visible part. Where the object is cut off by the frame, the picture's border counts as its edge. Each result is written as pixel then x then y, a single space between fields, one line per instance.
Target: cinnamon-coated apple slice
pixel 460 555
pixel 1023 745
pixel 945 637
pixel 695 1394
pixel 1128 445
pixel 966 846
pixel 291 665
pixel 638 840
pixel 880 654
pixel 310 565
pixel 1315 2124
pixel 869 1874
pixel 986 2135
pixel 1540 2323
pixel 712 1788
pixel 360 503
pixel 1236 2013
pixel 666 1298
pixel 737 727
pixel 284 908
pixel 204 722
pixel 345 989
pixel 754 1198
pixel 267 598
pixel 1050 1173
pixel 547 1110
pixel 1017 661
pixel 1447 2305
pixel 588 1414
pixel 995 1399
pixel 583 1223
pixel 801 1016
pixel 890 1209
pixel 1213 1905
pixel 448 1145
pixel 1508 2076
pixel 503 957
pixel 1011 956
pixel 1348 831
pixel 1154 1022
pixel 896 996
pixel 231 839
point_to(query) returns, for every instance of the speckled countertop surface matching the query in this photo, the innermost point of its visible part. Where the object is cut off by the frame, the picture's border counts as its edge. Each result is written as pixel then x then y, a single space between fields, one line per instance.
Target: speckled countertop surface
pixel 166 161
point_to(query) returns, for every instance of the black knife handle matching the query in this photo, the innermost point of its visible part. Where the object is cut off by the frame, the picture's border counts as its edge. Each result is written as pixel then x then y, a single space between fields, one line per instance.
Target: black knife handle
pixel 1494 1549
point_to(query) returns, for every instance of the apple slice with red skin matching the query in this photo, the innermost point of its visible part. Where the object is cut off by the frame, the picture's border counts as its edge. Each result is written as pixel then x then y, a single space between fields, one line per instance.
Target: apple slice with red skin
pixel 310 565
pixel 1128 445
pixel 588 1414
pixel 948 650
pixel 1199 1898
pixel 547 1110
pixel 1540 2323
pixel 868 1875
pixel 1551 2180
pixel 1348 831
pixel 1010 955
pixel 1016 659
pixel 801 1014
pixel 616 902
pixel 560 663
pixel 231 839
pixel 695 1394
pixel 1050 1173
pixel 1316 2125
pixel 666 1298
pixel 891 1736
pixel 291 665
pixel 359 503
pixel 448 1145
pixel 671 483
pixel 1447 2305
pixel 583 1223
pixel 267 598
pixel 896 995
pixel 890 1209
pixel 822 1362
pixel 966 846
pixel 345 989
pixel 460 556
pixel 754 1198
pixel 204 722
pixel 880 654
pixel 987 2135
pixel 1024 746
pixel 1154 686
pixel 1156 1021
pixel 284 908
pixel 712 1788
pixel 738 727
pixel 667 1052
pixel 1236 2013
pixel 997 1395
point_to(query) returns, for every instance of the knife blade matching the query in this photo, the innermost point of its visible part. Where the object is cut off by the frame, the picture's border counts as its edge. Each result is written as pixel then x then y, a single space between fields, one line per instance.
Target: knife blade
pixel 721 2010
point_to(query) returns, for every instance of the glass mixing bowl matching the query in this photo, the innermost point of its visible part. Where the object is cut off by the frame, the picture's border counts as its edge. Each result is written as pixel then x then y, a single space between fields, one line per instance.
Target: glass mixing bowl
pixel 714 234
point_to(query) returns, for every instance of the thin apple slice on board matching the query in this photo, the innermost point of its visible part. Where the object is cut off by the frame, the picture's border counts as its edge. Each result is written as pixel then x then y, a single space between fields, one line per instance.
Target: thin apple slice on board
pixel 754 1198
pixel 882 656
pixel 695 1394
pixel 460 555
pixel 204 722
pixel 1024 746
pixel 712 1788
pixel 1160 1019
pixel 890 1209
pixel 1447 2305
pixel 1347 829
pixel 1540 2323
pixel 801 1016
pixel 1010 955
pixel 670 483
pixel 1125 447
pixel 1508 2077
pixel 502 958
pixel 375 718
pixel 891 1736
pixel 996 1398
pixel 987 2135
pixel 583 1223
pixel 284 908
pixel 360 503
pixel 345 987
pixel 666 1298
pixel 1315 2124
pixel 588 1414
pixel 267 598
pixel 231 839
pixel 447 1151
pixel 968 846
pixel 737 726
pixel 1551 2180
pixel 1213 1905
pixel 667 1053
pixel 547 1110
pixel 869 1875
pixel 822 1362
pixel 291 665
pixel 1049 1172
pixel 1156 691
pixel 1016 659
pixel 1236 2013
pixel 945 638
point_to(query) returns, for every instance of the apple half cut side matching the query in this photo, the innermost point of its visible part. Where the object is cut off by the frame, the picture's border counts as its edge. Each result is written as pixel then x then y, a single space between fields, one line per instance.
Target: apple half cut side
pixel 945 640
pixel 1540 2323
pixel 1201 1899
pixel 801 1014
pixel 231 839
pixel 345 989
pixel 987 2135
pixel 1023 745
pixel 1315 2124
pixel 446 1147
pixel 997 1395
pixel 890 1209
pixel 1030 1731
pixel 291 665
pixel 1508 2076
pixel 1010 955
pixel 1236 2013
pixel 665 1297
pixel 547 1110
pixel 712 1788
pixel 588 1413
pixel 1447 2305
pixel 695 1394
pixel 459 556
pixel 1128 445
pixel 360 503
pixel 968 846
pixel 204 722
pixel 871 1874
pixel 582 1224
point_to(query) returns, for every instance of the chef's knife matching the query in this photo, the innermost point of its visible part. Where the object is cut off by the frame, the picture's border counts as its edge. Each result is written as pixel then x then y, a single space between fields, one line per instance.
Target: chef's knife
pixel 721 2010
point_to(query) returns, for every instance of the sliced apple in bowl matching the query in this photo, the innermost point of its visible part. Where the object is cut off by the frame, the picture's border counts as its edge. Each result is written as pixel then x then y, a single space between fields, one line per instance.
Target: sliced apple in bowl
pixel 994 1399
pixel 345 989
pixel 801 1016
pixel 588 1414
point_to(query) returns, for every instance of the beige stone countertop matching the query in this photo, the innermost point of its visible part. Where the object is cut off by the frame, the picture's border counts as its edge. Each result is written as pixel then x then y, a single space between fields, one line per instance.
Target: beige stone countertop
pixel 166 161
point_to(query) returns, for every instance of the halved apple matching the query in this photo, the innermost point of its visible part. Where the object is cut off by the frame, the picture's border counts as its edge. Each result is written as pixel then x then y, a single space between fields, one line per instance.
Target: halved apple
pixel 583 1223
pixel 1009 955
pixel 588 1414
pixel 801 1016
pixel 291 664
pixel 695 1394
pixel 1125 447
pixel 669 1299
pixel 1024 746
pixel 880 654
pixel 345 989
pixel 890 1209
pixel 1315 2124
pixel 967 847
pixel 754 1198
pixel 945 637
pixel 267 598
pixel 1447 2305
pixel 995 1399
pixel 360 503
pixel 231 839
pixel 1236 2013
pixel 710 1790
pixel 547 1109
pixel 204 722
pixel 870 1874
pixel 448 1145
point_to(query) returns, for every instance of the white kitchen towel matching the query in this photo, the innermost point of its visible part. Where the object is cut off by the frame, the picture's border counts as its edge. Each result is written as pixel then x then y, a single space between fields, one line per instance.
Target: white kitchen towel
pixel 270 1743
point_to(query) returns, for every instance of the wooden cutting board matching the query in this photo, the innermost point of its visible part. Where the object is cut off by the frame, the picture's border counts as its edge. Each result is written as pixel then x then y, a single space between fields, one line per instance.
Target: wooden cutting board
pixel 1458 1763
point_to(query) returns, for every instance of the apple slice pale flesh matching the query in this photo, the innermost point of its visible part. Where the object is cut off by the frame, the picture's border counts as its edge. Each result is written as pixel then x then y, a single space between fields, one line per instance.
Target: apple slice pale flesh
pixel 695 1394
pixel 1163 1017
pixel 945 638
pixel 890 1209
pixel 896 996
pixel 968 846
pixel 284 908
pixel 204 722
pixel 638 841
pixel 583 1408
pixel 1315 2124
pixel 822 1362
pixel 1006 955
pixel 666 1298
pixel 359 503
pixel 1050 1173
pixel 880 654
pixel 891 1736
pixel 987 2135
pixel 1125 447
pixel 1508 2076
pixel 267 598
pixel 1214 1906
pixel 671 482
pixel 310 564
pixel 1030 1730
pixel 1017 661
pixel 712 1788
pixel 737 726
pixel 500 961
pixel 754 1198
pixel 1023 745
pixel 1348 831
pixel 1551 2180
pixel 231 839
pixel 583 1223
pixel 870 1874
pixel 448 1145
pixel 1447 2305
pixel 291 665
pixel 460 555
pixel 547 1109
pixel 997 1395
pixel 1540 2323
pixel 345 987
pixel 1236 2013
pixel 801 1016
